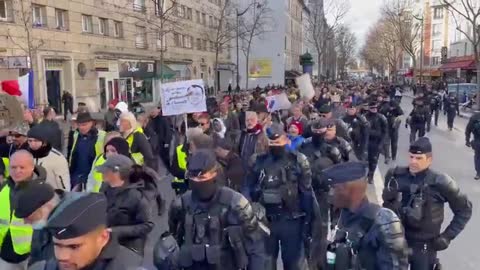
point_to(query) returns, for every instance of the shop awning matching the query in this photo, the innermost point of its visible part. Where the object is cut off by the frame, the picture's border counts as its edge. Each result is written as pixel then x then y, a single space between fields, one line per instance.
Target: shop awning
pixel 458 63
pixel 166 73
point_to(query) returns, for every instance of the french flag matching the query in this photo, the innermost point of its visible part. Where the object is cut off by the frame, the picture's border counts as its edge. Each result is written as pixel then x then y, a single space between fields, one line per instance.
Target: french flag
pixel 23 88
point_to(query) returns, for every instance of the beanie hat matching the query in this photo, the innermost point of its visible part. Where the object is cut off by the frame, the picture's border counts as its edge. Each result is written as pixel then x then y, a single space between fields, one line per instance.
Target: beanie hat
pixel 120 144
pixel 38 133
pixel 298 125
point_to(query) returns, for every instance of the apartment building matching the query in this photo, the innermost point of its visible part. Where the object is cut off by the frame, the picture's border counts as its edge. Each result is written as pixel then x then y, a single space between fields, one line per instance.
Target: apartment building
pixel 100 50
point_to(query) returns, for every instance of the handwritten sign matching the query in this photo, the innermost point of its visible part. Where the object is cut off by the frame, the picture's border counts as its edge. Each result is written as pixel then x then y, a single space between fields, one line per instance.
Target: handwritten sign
pixel 304 83
pixel 183 97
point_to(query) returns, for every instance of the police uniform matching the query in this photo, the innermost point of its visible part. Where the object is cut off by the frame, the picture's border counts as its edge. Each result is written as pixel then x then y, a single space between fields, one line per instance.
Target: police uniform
pixel 452 109
pixel 371 237
pixel 80 216
pixel 392 111
pixel 419 201
pixel 342 128
pixel 473 127
pixel 376 137
pixel 281 181
pixel 435 106
pixel 358 131
pixel 417 121
pixel 218 232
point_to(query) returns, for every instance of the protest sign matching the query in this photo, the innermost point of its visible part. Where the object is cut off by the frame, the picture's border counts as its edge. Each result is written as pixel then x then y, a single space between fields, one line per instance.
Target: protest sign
pixel 305 85
pixel 278 102
pixel 183 97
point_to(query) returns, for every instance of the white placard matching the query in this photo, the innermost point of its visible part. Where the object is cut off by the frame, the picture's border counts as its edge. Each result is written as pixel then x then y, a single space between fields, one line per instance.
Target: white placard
pixel 183 97
pixel 278 102
pixel 305 85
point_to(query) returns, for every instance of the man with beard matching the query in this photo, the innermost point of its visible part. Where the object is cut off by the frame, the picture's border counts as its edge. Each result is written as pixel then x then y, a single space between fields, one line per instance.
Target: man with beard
pixel 281 181
pixel 216 227
pixel 358 131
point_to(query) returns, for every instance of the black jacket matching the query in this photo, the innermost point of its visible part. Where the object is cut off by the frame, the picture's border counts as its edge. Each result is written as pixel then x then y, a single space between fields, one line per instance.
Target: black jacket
pixel 112 257
pixel 129 215
pixel 440 189
pixel 164 132
pixel 378 127
pixel 141 145
pixel 53 132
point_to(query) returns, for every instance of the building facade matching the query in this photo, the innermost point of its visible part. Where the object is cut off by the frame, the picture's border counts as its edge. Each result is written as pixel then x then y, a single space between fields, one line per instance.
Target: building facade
pixel 101 50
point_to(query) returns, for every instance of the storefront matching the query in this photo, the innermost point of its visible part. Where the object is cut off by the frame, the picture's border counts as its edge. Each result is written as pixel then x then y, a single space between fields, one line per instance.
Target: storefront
pixel 136 81
pixel 108 76
pixel 462 68
pixel 58 78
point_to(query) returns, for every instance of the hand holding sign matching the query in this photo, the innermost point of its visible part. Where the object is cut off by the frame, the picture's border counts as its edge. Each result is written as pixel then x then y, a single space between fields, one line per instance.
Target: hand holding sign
pixel 305 85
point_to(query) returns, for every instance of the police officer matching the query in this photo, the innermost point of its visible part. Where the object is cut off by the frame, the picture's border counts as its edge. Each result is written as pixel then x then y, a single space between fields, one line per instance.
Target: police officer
pixel 452 109
pixel 473 127
pixel 282 182
pixel 201 218
pixel 358 130
pixel 82 240
pixel 342 129
pixel 417 120
pixel 435 106
pixel 392 111
pixel 418 194
pixel 378 130
pixel 367 236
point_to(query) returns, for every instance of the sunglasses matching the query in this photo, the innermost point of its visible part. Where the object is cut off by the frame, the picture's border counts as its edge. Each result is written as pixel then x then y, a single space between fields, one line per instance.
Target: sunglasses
pixel 203 124
pixel 17 135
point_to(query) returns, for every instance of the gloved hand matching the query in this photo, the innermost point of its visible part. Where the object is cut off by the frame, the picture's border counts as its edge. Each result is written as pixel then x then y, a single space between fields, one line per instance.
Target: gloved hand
pixel 440 243
pixel 468 144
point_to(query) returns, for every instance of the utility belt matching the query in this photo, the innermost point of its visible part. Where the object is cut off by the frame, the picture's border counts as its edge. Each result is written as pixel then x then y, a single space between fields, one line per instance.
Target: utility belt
pixel 425 249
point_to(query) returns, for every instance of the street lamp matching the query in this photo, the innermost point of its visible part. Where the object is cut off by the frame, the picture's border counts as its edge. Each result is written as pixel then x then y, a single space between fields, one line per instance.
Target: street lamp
pixel 239 14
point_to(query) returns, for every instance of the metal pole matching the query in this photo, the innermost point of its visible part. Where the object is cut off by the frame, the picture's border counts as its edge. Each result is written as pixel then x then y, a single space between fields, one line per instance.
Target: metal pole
pixel 421 55
pixel 238 69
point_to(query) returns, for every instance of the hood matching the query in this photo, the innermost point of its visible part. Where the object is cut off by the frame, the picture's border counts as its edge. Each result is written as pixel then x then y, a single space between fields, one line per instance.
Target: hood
pixel 122 106
pixel 219 127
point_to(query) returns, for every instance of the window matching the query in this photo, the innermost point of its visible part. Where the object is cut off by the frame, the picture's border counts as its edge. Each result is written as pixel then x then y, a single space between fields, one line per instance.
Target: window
pixel 178 40
pixel 61 19
pixel 437 29
pixel 141 37
pixel 39 16
pixel 189 14
pixel 117 29
pixel 204 47
pixel 3 10
pixel 139 5
pixel 210 21
pixel 204 19
pixel 199 16
pixel 180 11
pixel 161 42
pixel 103 26
pixel 187 41
pixel 87 23
pixel 199 44
pixel 438 13
pixel 435 61
pixel 436 45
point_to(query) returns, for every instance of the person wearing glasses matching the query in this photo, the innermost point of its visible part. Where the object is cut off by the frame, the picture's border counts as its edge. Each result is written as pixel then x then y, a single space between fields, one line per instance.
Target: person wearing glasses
pixel 342 129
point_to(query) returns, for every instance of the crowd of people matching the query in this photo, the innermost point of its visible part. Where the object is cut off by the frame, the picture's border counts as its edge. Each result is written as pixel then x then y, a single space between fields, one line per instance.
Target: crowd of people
pixel 250 184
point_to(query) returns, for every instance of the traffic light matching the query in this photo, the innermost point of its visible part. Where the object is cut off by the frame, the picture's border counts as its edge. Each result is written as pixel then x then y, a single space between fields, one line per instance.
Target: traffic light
pixel 443 60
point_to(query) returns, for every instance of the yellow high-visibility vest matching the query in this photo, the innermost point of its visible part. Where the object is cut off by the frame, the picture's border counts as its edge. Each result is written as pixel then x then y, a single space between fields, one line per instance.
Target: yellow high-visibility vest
pixel 137 157
pixel 97 176
pixel 20 232
pixel 181 161
pixel 6 164
pixel 98 144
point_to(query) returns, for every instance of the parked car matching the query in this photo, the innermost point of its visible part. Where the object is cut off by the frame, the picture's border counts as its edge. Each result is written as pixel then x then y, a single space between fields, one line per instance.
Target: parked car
pixel 464 90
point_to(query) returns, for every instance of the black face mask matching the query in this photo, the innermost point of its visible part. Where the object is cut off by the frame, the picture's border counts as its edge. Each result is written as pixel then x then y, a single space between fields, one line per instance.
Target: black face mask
pixel 278 151
pixel 317 139
pixel 205 190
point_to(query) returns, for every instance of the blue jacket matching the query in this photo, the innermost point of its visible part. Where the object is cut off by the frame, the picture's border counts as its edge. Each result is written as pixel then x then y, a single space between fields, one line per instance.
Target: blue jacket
pixel 295 142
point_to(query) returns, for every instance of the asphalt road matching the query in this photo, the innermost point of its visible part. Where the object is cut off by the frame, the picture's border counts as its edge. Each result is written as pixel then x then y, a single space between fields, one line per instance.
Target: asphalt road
pixel 450 156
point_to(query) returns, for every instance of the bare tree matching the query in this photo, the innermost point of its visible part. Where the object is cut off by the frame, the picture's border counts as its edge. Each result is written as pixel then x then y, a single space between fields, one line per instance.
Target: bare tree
pixel 469 12
pixel 345 42
pixel 405 26
pixel 254 24
pixel 324 20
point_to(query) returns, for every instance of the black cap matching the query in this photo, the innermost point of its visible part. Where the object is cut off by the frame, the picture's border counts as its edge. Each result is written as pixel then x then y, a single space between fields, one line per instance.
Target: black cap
pixel 200 162
pixel 84 117
pixel 78 216
pixel 373 104
pixel 345 172
pixel 325 109
pixel 38 132
pixel 421 146
pixel 275 131
pixel 323 123
pixel 30 196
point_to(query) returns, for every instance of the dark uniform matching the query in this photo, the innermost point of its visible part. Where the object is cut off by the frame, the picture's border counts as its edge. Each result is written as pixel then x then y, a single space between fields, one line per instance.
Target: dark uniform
pixel 281 181
pixel 452 109
pixel 473 127
pixel 221 232
pixel 358 129
pixel 417 121
pixel 419 200
pixel 371 237
pixel 378 131
pixel 342 128
pixel 435 106
pixel 392 111
pixel 79 217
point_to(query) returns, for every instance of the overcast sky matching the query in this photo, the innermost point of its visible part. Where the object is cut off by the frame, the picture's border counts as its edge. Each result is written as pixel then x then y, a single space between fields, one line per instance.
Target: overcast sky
pixel 362 15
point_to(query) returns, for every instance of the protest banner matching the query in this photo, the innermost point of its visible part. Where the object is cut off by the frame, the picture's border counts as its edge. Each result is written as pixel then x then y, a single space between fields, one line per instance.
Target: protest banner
pixel 278 102
pixel 305 85
pixel 183 97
